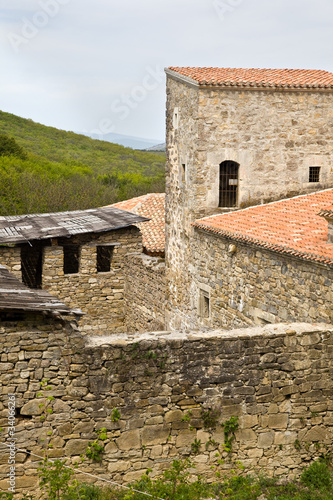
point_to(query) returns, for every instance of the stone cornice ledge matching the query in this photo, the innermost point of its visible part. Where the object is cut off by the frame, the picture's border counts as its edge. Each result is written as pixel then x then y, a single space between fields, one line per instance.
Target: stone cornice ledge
pixel 272 330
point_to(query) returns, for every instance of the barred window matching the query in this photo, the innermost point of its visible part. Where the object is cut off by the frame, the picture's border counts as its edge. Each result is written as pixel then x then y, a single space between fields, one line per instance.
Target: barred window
pixel 228 184
pixel 71 259
pixel 314 174
pixel 104 258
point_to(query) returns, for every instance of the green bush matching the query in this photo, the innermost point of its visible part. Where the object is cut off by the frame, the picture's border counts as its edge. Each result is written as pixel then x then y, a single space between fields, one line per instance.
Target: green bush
pixel 317 476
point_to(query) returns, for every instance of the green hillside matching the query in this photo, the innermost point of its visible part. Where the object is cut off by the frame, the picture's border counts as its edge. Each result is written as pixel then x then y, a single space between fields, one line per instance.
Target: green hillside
pixel 60 170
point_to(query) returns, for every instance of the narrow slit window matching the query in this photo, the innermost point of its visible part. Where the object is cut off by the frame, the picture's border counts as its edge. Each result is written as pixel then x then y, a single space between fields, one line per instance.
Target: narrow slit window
pixel 314 174
pixel 104 258
pixel 183 173
pixel 204 305
pixel 71 259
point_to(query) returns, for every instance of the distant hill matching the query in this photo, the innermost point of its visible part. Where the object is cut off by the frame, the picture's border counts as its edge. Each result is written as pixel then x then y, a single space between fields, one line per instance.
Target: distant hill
pixel 67 171
pixel 129 141
pixel 158 147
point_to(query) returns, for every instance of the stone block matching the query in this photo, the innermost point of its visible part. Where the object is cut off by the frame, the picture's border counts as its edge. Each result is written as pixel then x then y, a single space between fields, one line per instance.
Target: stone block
pixel 155 434
pixel 129 440
pixel 265 439
pixel 185 438
pixel 76 447
pixel 174 416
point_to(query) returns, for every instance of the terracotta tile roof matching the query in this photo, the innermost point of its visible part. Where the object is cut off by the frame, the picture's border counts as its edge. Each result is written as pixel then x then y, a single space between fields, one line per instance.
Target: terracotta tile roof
pixel 150 205
pixel 291 226
pixel 238 77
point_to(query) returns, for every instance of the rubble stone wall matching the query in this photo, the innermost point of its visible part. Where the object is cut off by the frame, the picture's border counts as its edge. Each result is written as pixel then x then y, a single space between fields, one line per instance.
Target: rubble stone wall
pixel 151 391
pixel 246 285
pixel 144 293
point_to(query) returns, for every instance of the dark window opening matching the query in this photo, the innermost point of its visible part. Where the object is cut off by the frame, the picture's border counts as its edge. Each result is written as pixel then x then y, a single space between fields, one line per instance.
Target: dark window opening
pixel 314 174
pixel 71 259
pixel 228 184
pixel 32 265
pixel 104 257
pixel 204 307
pixel 183 172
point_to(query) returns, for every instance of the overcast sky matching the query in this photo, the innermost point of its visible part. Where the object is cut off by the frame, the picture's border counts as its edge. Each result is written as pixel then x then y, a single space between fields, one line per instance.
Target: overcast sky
pixel 97 65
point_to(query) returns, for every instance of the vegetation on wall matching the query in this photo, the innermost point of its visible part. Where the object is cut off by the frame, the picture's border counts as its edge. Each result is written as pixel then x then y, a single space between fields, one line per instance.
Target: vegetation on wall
pixel 43 169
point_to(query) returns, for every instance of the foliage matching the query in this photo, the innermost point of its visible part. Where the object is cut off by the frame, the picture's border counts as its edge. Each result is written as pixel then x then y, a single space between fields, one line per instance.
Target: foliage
pixel 210 416
pixel 317 476
pixel 176 484
pixel 115 415
pixel 195 446
pixel 55 479
pixel 96 449
pixel 230 427
pixel 9 147
pixel 43 169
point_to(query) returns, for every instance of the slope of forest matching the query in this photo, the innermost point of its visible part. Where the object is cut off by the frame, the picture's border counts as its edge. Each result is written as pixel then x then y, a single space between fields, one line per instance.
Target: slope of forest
pixel 53 170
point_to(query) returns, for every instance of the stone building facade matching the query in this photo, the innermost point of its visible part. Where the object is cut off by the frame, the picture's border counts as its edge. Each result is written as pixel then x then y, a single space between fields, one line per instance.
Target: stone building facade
pixel 236 138
pixel 84 269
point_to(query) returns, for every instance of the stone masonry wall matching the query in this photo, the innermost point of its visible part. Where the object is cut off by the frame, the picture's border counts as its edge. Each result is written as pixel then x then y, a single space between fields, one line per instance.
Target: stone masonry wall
pixel 144 293
pixel 100 295
pixel 255 286
pixel 276 379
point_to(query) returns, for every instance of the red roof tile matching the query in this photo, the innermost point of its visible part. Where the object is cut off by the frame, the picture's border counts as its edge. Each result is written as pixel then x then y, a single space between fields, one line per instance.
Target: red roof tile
pixel 238 77
pixel 291 226
pixel 150 205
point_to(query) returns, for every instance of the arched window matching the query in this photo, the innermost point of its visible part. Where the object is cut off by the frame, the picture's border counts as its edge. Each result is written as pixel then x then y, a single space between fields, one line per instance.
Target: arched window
pixel 228 183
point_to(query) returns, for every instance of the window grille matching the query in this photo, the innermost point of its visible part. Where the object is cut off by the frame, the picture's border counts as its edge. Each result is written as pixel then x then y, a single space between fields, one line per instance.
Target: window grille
pixel 228 184
pixel 314 174
pixel 104 257
pixel 32 265
pixel 71 259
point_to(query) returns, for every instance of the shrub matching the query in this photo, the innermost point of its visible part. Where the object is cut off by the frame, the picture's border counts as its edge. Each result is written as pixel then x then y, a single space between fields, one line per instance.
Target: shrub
pixel 317 476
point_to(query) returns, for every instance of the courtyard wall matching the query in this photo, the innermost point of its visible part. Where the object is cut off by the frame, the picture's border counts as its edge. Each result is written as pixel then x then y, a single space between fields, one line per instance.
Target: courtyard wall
pixel 276 379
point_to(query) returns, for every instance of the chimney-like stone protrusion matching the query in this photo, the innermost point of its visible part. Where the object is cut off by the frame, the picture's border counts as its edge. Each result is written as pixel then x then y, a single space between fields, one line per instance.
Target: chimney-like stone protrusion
pixel 327 213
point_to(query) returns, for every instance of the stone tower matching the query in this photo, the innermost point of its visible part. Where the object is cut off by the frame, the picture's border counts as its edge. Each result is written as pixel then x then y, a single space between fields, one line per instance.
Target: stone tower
pixel 237 138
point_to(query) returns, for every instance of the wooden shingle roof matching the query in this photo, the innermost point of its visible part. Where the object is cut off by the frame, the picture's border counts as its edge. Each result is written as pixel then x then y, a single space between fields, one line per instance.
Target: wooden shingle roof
pixel 22 228
pixel 14 295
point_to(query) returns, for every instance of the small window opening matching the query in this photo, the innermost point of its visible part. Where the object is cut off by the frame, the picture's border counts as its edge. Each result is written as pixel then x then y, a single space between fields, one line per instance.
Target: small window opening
pixel 183 172
pixel 32 265
pixel 314 174
pixel 104 257
pixel 175 118
pixel 228 184
pixel 71 259
pixel 204 306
